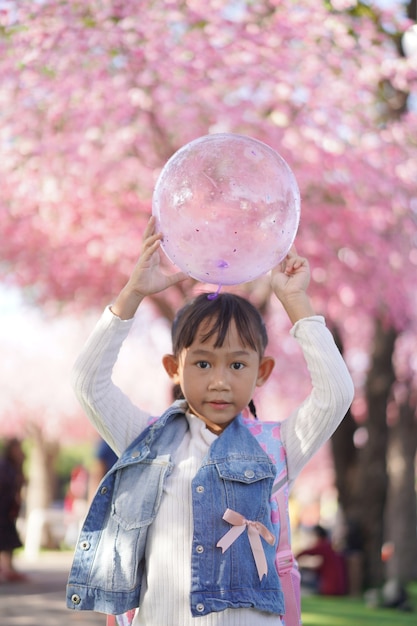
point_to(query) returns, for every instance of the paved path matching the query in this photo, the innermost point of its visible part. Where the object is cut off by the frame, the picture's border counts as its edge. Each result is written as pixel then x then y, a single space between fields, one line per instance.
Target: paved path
pixel 40 601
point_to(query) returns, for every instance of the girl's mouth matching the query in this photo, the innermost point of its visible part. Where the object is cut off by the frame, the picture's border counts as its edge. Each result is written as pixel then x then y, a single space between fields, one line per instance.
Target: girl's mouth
pixel 219 404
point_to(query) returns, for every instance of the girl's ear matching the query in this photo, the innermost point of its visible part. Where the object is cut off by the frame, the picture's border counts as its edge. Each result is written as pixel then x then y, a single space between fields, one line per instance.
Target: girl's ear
pixel 265 369
pixel 170 363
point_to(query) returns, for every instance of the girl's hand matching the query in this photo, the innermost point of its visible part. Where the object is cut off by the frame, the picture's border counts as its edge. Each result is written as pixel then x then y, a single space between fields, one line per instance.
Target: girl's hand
pixel 289 281
pixel 291 276
pixel 147 277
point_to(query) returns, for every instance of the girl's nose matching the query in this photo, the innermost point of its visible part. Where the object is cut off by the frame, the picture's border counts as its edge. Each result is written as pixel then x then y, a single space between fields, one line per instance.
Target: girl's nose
pixel 219 380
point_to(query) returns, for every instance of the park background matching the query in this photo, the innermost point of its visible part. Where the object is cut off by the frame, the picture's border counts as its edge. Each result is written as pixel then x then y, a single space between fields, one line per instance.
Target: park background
pixel 95 96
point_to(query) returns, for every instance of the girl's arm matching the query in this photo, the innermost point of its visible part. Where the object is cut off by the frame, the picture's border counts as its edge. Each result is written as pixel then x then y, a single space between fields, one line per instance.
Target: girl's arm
pixel 314 422
pixel 116 418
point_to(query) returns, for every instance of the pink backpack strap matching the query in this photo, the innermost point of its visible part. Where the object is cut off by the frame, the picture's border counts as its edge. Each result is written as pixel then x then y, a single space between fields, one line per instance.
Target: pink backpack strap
pixel 285 561
pixel 269 437
pixel 125 619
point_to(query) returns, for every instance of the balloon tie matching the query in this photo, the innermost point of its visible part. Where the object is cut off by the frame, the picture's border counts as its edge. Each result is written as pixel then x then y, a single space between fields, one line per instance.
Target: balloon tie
pixel 213 296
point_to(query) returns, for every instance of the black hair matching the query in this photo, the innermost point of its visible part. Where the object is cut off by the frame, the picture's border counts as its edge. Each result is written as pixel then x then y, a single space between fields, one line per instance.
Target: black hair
pixel 10 446
pixel 321 532
pixel 219 312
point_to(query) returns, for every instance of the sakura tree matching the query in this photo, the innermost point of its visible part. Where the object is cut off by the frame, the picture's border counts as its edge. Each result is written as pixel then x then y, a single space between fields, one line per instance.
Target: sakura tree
pixel 97 95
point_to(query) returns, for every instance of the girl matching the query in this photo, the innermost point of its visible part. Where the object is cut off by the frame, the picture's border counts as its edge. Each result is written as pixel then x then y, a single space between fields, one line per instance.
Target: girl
pixel 183 525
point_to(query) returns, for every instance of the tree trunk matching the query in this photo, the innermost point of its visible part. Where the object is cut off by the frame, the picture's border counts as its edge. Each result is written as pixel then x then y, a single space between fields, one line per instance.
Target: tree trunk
pixel 345 457
pixel 373 457
pixel 401 506
pixel 42 477
pixel 346 465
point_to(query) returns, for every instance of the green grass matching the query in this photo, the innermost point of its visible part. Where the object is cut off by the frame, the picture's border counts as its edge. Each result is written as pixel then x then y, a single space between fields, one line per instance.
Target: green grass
pixel 345 611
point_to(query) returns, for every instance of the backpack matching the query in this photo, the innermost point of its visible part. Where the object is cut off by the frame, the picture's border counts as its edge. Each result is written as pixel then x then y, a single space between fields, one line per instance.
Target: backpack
pixel 284 560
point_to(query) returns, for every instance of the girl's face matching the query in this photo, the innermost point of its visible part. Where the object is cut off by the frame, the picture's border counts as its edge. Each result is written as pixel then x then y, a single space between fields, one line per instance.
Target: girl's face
pixel 218 382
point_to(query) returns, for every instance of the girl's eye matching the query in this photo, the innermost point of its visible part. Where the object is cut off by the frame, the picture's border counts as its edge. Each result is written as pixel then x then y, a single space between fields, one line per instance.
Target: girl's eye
pixel 237 366
pixel 203 365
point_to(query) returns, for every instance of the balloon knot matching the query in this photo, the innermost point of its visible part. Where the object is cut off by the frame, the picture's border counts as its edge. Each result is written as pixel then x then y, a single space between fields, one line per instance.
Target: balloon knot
pixel 213 296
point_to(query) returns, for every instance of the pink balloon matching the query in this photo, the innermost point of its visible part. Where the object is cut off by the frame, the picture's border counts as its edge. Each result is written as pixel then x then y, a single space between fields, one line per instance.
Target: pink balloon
pixel 228 207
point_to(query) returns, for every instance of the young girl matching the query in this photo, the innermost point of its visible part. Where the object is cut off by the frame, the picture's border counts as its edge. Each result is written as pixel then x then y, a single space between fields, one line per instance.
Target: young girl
pixel 157 534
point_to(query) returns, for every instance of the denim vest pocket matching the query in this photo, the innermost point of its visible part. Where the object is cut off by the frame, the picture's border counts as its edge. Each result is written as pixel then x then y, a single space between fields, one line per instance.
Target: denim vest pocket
pixel 138 490
pixel 245 471
pixel 248 484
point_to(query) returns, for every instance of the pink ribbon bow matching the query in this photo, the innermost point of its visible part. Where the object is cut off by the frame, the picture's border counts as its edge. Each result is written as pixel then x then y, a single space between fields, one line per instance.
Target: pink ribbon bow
pixel 256 530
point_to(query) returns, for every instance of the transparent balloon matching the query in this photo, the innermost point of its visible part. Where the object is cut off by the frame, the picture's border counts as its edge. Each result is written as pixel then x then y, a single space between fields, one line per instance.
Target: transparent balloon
pixel 228 207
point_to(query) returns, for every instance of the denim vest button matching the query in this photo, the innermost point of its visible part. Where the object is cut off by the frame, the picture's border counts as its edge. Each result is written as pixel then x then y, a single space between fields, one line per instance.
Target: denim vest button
pixel 200 489
pixel 200 607
pixel 103 491
pixel 85 545
pixel 75 599
pixel 249 474
pixel 135 454
pixel 200 549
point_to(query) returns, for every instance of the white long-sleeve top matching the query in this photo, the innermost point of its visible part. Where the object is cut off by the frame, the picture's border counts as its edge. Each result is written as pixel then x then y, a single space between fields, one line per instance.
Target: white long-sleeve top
pixel 167 580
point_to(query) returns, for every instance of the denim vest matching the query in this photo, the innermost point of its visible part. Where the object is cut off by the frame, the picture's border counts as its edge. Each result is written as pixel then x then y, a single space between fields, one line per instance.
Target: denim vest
pixel 236 474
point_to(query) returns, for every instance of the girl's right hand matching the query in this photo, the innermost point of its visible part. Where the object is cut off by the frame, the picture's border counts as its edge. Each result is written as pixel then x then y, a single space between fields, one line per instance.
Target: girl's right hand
pixel 147 277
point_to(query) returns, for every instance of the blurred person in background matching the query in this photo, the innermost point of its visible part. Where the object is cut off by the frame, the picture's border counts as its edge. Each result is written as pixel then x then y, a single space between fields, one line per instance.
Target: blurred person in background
pixel 104 459
pixel 75 503
pixel 11 484
pixel 327 574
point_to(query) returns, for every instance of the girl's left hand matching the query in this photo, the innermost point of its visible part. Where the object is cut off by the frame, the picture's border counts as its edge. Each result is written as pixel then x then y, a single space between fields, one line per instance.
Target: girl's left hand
pixel 291 276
